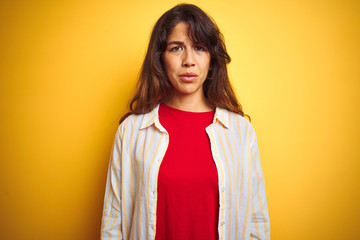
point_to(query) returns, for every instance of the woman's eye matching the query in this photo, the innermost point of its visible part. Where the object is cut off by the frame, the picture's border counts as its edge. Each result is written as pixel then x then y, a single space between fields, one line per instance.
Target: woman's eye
pixel 175 49
pixel 199 48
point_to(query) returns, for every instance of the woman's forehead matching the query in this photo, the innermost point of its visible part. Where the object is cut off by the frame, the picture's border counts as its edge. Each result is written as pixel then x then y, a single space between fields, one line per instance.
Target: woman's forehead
pixel 182 31
pixel 179 31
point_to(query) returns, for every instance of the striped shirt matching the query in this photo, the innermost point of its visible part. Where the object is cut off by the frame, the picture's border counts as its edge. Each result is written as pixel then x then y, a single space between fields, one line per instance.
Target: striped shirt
pixel 131 189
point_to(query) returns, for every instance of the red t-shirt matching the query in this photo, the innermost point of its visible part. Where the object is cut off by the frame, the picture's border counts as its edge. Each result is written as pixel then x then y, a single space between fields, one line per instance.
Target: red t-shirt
pixel 188 196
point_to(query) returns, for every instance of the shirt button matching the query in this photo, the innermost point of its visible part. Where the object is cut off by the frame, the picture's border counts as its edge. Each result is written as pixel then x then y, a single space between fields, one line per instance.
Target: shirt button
pixel 222 223
pixel 223 189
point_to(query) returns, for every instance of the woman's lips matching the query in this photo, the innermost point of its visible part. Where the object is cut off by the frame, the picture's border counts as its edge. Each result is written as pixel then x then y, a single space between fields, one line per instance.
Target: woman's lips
pixel 188 77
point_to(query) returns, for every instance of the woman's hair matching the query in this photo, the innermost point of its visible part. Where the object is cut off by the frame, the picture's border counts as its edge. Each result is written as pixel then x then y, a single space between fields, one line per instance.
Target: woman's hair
pixel 153 86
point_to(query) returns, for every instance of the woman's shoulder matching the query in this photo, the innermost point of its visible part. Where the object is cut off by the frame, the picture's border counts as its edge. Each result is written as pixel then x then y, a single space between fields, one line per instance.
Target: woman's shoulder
pixel 237 123
pixel 137 121
pixel 234 118
pixel 134 119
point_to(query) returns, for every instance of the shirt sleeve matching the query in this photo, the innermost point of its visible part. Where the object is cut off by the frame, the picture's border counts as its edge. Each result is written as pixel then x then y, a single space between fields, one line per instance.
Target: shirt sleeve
pixel 260 221
pixel 111 218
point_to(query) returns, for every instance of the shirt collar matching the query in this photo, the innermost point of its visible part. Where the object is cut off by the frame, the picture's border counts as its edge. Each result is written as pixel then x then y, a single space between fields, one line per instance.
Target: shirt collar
pixel 152 117
pixel 222 115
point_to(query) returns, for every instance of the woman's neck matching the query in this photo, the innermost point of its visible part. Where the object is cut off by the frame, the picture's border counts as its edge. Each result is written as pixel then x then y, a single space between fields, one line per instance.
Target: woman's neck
pixel 190 103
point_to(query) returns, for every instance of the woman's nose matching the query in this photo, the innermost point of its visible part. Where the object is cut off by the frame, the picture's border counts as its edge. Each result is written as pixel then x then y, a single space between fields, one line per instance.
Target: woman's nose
pixel 188 60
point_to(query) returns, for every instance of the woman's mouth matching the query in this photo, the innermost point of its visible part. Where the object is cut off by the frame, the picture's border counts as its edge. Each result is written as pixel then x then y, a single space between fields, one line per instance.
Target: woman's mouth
pixel 188 77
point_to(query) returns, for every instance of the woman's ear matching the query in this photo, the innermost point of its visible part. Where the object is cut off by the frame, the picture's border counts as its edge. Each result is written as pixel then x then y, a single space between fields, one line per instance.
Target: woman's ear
pixel 210 74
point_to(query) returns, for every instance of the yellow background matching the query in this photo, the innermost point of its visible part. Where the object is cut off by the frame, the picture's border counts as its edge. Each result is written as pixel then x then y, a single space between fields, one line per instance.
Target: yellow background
pixel 67 69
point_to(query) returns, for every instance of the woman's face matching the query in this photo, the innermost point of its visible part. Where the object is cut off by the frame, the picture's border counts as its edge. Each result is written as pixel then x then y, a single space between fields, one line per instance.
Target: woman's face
pixel 186 63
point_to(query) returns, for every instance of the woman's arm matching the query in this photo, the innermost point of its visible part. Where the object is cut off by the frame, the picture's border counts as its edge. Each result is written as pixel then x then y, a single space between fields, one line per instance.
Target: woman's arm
pixel 260 224
pixel 111 220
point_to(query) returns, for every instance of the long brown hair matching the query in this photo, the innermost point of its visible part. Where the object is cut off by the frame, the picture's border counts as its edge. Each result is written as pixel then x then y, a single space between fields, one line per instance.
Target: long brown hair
pixel 153 86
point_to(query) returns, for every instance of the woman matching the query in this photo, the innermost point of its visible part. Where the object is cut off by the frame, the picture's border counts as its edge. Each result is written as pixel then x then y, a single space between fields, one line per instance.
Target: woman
pixel 185 162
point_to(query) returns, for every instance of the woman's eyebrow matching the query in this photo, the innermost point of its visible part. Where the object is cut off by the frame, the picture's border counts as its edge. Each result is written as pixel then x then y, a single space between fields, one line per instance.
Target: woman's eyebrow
pixel 175 42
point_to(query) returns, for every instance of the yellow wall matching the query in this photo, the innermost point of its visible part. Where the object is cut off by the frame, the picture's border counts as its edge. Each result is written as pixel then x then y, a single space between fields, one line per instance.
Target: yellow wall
pixel 67 69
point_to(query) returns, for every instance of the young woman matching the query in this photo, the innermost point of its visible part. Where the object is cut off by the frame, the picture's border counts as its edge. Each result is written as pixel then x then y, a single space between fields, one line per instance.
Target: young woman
pixel 185 162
